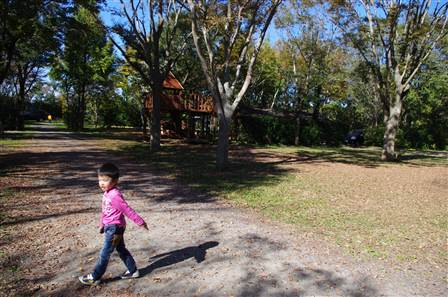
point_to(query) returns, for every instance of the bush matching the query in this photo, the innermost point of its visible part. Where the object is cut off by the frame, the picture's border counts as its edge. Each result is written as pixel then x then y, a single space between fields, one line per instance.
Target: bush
pixel 374 135
pixel 310 134
pixel 265 130
pixel 7 112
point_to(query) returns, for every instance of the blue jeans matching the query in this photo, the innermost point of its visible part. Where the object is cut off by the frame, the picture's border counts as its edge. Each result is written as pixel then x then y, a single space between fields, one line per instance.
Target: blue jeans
pixel 108 248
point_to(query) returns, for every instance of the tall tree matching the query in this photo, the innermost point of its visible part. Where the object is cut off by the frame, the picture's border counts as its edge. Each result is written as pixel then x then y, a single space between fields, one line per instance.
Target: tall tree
pixel 28 40
pixel 16 24
pixel 425 117
pixel 87 60
pixel 315 60
pixel 394 38
pixel 362 101
pixel 151 30
pixel 133 90
pixel 228 37
pixel 268 83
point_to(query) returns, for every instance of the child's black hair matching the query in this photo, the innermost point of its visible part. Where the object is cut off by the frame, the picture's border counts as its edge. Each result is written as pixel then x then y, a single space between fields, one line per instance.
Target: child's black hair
pixel 110 170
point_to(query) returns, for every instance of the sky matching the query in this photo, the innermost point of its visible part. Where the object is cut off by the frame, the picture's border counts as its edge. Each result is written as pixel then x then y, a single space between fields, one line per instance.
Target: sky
pixel 272 35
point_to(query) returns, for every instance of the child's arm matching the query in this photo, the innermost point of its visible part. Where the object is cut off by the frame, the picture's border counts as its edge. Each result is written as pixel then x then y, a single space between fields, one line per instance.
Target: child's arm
pixel 120 204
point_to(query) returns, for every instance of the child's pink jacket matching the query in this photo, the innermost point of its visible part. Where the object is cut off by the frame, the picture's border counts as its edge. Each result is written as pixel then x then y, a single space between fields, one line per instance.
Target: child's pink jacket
pixel 114 207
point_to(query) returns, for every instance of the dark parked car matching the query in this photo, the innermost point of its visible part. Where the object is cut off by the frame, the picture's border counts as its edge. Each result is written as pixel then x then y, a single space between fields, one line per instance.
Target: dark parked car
pixel 355 137
pixel 35 115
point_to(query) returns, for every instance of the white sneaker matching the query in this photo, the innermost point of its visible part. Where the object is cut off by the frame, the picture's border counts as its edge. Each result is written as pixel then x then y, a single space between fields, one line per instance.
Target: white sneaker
pixel 88 280
pixel 127 274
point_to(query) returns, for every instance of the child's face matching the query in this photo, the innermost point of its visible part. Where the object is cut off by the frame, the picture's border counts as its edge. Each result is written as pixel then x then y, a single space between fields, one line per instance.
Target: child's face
pixel 106 183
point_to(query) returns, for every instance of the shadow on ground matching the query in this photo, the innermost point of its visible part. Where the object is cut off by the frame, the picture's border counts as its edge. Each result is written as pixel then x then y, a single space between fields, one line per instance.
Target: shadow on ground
pixel 194 165
pixel 73 170
pixel 250 279
pixel 365 157
pixel 313 282
pixel 173 257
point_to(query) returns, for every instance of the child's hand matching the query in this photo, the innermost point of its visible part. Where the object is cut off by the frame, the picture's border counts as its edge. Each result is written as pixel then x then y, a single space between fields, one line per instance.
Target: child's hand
pixel 145 226
pixel 101 230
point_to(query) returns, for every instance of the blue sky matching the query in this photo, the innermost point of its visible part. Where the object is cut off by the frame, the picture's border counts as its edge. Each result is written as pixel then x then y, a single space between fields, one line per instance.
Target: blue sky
pixel 272 36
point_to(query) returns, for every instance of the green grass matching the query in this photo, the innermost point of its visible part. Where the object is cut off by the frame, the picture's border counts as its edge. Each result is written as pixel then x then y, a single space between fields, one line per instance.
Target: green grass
pixel 194 165
pixel 59 124
pixel 268 179
pixel 366 156
pixel 10 143
pixel 6 193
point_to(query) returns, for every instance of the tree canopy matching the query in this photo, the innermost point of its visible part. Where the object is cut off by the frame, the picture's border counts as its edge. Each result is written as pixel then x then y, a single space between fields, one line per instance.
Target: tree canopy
pixel 290 72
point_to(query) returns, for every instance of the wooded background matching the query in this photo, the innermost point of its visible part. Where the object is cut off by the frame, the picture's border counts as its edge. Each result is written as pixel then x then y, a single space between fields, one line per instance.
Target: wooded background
pixel 329 67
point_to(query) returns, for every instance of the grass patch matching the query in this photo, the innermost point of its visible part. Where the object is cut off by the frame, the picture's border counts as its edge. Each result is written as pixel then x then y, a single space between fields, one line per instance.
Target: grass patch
pixel 441 221
pixel 358 205
pixel 58 124
pixel 6 193
pixel 10 142
pixel 363 156
pixel 194 165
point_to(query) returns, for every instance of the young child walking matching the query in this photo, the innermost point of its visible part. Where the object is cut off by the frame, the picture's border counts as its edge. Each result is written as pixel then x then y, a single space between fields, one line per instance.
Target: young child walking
pixel 113 225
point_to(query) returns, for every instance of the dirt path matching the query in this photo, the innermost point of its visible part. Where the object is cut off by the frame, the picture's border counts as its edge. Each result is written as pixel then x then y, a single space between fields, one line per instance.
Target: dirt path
pixel 197 245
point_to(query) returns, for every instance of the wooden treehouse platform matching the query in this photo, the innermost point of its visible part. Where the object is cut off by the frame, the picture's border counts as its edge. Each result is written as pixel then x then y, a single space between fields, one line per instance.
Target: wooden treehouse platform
pixel 183 102
pixel 174 99
pixel 199 111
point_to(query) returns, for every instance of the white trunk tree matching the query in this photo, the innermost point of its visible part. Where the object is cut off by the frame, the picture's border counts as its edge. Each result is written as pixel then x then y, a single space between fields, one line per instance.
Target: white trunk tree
pixel 151 30
pixel 395 38
pixel 228 37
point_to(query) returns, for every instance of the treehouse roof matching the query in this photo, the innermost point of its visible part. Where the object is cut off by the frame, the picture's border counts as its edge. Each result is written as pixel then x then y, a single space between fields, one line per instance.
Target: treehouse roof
pixel 171 83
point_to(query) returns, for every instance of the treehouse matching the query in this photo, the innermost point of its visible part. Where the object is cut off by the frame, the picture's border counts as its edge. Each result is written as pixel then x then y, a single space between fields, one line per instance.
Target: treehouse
pixel 185 114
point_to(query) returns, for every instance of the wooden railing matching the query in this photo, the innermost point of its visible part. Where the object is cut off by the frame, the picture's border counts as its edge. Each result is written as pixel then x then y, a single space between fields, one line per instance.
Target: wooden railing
pixel 198 103
pixel 191 102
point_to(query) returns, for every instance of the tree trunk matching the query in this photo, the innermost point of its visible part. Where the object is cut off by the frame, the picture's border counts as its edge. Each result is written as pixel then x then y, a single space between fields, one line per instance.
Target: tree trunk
pixel 96 112
pixel 317 104
pixel 203 120
pixel 82 109
pixel 391 121
pixel 207 126
pixel 222 153
pixel 297 132
pixel 191 126
pixel 20 125
pixel 176 118
pixel 155 117
pixel 144 121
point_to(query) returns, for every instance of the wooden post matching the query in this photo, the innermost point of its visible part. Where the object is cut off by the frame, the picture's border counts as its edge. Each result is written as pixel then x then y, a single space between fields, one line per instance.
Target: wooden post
pixel 191 125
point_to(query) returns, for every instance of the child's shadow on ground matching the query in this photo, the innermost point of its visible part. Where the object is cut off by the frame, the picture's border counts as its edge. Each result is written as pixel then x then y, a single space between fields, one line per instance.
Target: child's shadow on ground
pixel 173 257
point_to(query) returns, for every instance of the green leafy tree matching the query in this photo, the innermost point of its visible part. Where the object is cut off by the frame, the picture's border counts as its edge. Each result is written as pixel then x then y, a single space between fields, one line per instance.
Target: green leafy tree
pixel 133 90
pixel 28 41
pixel 268 80
pixel 363 103
pixel 83 70
pixel 228 38
pixel 44 98
pixel 151 29
pixel 425 117
pixel 316 62
pixel 395 38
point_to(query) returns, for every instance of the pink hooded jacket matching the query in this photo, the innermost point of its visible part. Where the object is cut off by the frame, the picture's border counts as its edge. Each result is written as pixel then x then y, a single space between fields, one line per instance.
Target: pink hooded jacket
pixel 114 208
